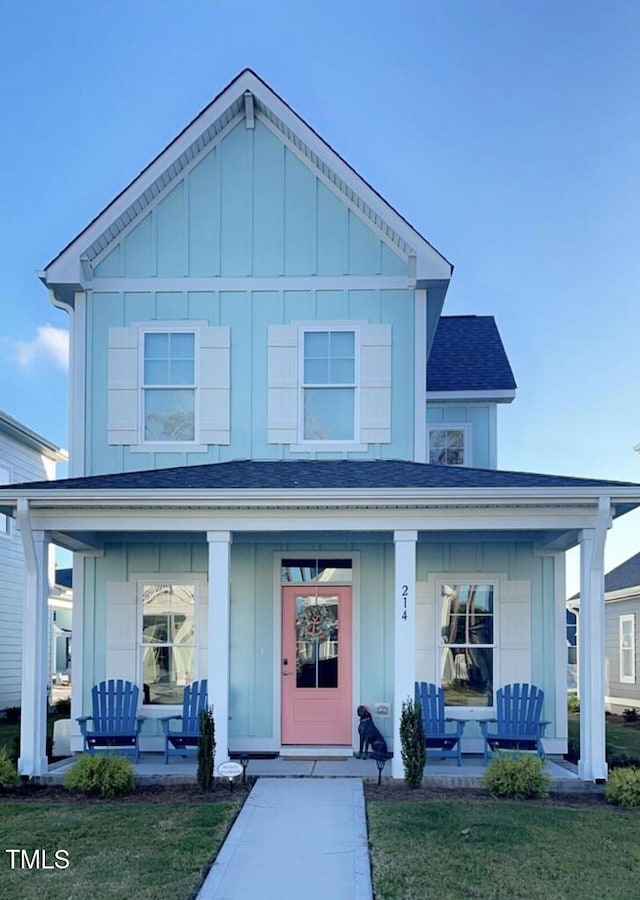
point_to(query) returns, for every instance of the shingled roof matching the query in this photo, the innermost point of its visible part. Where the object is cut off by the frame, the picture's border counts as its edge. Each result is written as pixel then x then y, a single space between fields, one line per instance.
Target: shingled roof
pixel 468 355
pixel 318 474
pixel 626 575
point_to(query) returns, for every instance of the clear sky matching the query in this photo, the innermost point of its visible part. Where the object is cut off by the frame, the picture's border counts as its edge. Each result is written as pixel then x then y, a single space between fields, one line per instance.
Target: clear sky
pixel 507 133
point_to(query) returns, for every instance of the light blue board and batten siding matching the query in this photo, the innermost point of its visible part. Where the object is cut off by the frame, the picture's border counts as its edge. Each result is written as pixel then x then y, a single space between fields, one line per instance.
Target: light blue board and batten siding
pixel 248 316
pixel 250 206
pixel 478 417
pixel 525 616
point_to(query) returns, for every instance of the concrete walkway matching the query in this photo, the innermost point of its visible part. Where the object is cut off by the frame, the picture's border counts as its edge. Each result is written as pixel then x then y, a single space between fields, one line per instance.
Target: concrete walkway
pixel 295 837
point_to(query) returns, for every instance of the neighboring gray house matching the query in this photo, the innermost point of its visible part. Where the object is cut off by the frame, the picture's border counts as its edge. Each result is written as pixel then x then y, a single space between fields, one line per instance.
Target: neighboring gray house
pixel 622 618
pixel 24 456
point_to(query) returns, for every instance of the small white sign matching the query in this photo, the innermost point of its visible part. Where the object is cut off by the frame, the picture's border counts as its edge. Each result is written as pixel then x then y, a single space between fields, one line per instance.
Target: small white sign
pixel 230 769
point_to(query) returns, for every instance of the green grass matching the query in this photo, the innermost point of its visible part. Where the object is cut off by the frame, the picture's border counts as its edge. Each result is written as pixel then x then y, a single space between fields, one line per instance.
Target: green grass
pixel 422 850
pixel 117 850
pixel 621 738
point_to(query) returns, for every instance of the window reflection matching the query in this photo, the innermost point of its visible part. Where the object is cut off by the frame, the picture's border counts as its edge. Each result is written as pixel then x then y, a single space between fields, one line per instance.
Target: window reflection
pixel 317 645
pixel 167 641
pixel 316 571
pixel 467 644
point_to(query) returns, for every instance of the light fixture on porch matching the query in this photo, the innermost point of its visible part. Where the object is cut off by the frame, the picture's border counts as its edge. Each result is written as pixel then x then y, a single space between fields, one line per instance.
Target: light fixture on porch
pixel 244 762
pixel 380 763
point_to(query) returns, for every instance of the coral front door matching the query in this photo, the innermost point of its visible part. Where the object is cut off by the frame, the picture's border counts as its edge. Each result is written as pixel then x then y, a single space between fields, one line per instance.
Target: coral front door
pixel 316 665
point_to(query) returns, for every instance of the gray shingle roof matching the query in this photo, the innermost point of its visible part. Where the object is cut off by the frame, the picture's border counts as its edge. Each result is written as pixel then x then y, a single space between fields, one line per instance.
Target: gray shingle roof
pixel 329 474
pixel 626 575
pixel 468 355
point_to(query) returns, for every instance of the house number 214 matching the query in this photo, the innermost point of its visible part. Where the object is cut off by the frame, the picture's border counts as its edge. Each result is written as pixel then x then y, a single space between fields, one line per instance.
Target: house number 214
pixel 404 591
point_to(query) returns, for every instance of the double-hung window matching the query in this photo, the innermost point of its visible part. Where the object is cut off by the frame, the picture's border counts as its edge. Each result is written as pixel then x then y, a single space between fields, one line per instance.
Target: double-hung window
pixel 168 641
pixel 169 386
pixel 627 649
pixel 467 643
pixel 329 386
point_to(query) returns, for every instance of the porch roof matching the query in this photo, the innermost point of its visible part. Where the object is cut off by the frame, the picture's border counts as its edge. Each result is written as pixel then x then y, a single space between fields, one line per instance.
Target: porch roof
pixel 348 484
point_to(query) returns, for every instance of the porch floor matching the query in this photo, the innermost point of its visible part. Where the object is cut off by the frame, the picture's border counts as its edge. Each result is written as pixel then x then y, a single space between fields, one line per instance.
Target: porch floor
pixel 438 772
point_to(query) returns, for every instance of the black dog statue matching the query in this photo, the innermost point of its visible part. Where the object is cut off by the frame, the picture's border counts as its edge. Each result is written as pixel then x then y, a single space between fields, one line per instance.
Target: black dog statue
pixel 372 743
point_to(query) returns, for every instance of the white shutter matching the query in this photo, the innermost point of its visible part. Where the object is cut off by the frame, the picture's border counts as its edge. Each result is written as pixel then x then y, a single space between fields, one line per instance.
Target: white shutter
pixel 375 384
pixel 282 385
pixel 215 386
pixel 513 662
pixel 122 386
pixel 122 632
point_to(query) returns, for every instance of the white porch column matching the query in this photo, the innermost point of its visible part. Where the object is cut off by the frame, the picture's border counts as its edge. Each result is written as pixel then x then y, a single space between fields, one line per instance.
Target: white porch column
pixel 218 637
pixel 33 730
pixel 404 664
pixel 592 765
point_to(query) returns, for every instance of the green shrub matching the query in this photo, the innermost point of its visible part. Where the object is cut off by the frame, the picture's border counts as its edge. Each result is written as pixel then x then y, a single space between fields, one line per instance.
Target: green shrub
pixel 62 708
pixel 623 787
pixel 573 703
pixel 517 776
pixel 8 772
pixel 630 714
pixel 414 754
pixel 623 761
pixel 206 749
pixel 105 776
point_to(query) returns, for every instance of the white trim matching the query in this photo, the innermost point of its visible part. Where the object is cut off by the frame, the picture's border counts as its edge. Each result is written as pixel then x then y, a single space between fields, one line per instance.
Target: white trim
pixel 502 396
pixel 467 448
pixel 624 594
pixel 420 374
pixel 622 620
pixel 218 636
pixel 623 701
pixel 246 284
pixel 493 435
pixel 78 387
pixel 5 521
pixel 404 640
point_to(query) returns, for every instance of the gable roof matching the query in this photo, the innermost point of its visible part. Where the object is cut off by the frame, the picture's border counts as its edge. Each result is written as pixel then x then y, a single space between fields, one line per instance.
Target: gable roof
pixel 467 355
pixel 626 575
pixel 247 95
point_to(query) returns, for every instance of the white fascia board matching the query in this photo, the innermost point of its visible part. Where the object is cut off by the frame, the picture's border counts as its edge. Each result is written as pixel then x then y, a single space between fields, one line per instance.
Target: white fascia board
pixel 629 593
pixel 502 396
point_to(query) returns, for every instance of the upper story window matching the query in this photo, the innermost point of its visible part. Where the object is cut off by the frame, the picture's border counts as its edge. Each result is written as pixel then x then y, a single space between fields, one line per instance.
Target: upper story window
pixel 627 649
pixel 467 643
pixel 169 386
pixel 329 386
pixel 449 446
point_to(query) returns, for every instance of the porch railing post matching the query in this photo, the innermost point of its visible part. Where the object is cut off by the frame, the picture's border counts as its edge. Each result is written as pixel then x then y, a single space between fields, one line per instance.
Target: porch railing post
pixel 218 637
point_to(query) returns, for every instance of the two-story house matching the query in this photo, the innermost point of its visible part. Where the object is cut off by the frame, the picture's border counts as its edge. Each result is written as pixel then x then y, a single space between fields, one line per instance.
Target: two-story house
pixel 24 456
pixel 284 461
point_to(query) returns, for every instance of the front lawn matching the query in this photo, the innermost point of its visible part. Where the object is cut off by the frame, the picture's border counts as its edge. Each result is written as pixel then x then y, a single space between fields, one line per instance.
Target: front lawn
pixel 622 737
pixel 144 847
pixel 463 848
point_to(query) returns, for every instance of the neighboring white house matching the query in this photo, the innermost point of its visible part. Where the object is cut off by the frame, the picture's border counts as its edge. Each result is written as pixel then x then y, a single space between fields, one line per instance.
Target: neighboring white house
pixel 24 456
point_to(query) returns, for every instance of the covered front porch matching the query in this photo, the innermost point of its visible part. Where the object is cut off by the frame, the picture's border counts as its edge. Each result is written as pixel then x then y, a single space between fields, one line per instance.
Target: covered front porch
pixel 408 534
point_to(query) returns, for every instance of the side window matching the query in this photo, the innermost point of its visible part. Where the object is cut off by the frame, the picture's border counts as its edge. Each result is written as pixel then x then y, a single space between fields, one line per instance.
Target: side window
pixel 467 643
pixel 329 386
pixel 5 521
pixel 168 641
pixel 628 649
pixel 169 386
pixel 449 446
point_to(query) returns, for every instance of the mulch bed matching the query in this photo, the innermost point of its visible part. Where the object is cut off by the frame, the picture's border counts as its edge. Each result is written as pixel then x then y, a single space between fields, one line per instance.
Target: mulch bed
pixel 151 793
pixel 398 791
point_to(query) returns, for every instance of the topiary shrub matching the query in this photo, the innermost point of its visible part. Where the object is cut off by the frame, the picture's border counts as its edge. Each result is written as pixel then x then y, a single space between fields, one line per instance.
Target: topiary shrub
pixel 414 753
pixel 623 787
pixel 206 749
pixel 517 776
pixel 8 772
pixel 103 776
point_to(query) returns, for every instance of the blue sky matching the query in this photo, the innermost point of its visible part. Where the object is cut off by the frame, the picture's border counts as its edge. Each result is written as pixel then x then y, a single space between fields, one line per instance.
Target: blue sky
pixel 508 133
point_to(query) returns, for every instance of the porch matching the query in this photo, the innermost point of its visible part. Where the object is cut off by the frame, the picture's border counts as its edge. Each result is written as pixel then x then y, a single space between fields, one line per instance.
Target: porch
pixel 439 773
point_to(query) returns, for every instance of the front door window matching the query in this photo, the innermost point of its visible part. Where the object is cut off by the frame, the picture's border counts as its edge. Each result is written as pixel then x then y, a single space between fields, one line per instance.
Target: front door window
pixel 316 627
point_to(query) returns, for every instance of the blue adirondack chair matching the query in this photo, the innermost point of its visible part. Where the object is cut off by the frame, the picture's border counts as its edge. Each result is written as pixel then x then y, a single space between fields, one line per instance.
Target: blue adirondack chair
pixel 519 724
pixel 442 734
pixel 115 723
pixel 183 741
